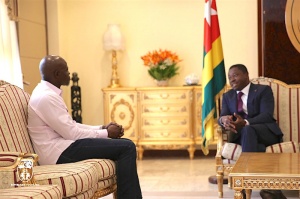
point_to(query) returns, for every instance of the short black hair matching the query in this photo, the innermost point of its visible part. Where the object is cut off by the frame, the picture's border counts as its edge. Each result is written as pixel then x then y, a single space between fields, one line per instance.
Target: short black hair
pixel 241 67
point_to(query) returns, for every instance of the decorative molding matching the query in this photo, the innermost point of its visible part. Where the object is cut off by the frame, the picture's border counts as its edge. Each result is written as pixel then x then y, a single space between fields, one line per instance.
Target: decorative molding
pixel 12 9
pixel 123 114
pixel 292 22
pixel 289 183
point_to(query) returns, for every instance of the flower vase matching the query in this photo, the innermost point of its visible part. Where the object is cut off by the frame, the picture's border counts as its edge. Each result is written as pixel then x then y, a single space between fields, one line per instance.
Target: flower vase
pixel 164 82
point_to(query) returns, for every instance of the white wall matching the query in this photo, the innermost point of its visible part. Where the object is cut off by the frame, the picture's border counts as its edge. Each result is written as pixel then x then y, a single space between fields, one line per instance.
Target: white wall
pixel 147 25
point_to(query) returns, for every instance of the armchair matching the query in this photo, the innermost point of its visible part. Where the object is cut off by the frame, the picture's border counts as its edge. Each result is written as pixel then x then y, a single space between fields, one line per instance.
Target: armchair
pixel 91 178
pixel 287 100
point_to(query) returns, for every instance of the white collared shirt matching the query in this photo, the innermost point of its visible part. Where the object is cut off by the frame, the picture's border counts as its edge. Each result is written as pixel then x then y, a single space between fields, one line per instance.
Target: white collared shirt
pixel 51 127
pixel 245 97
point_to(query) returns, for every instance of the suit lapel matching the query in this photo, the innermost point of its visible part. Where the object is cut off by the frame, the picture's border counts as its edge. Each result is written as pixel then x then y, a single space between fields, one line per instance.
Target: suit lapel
pixel 251 96
pixel 233 98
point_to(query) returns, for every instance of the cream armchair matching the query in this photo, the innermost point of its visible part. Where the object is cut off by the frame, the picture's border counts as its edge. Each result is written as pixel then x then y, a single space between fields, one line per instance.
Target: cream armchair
pixel 287 114
pixel 91 178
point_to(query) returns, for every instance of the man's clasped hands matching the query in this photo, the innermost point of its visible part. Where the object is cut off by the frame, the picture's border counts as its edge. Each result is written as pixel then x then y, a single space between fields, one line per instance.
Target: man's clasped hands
pixel 114 130
pixel 231 124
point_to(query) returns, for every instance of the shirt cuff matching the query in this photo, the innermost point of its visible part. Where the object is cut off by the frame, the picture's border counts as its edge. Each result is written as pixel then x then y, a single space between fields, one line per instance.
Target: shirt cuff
pixel 220 121
pixel 103 133
pixel 247 123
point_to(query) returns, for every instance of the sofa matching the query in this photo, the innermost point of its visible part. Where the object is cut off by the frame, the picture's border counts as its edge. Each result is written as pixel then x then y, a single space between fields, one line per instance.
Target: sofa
pixel 20 171
pixel 287 114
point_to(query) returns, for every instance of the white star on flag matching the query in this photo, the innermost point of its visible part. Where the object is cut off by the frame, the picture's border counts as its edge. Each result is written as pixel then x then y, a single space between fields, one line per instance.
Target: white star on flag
pixel 209 11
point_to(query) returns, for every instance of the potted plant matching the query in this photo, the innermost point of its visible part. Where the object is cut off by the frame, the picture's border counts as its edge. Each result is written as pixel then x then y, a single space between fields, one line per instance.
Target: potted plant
pixel 162 65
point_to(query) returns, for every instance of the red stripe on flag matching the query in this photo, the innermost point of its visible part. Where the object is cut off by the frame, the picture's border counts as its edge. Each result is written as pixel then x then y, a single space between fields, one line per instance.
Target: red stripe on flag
pixel 212 30
pixel 207 36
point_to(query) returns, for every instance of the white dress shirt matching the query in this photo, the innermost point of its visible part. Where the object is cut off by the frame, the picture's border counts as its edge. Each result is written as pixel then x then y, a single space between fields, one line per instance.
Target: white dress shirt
pixel 245 97
pixel 51 127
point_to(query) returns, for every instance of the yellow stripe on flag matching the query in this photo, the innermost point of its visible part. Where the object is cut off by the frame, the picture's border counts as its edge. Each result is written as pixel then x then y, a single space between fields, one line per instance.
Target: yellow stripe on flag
pixel 213 73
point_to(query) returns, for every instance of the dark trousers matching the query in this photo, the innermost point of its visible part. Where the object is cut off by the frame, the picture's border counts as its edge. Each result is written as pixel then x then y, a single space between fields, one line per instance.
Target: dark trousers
pixel 255 138
pixel 122 151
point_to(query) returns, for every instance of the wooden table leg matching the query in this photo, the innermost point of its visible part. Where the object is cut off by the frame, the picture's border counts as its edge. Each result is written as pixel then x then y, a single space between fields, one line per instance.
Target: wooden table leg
pixel 248 193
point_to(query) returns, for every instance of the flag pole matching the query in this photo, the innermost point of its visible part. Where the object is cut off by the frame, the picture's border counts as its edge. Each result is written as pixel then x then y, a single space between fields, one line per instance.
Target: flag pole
pixel 213 76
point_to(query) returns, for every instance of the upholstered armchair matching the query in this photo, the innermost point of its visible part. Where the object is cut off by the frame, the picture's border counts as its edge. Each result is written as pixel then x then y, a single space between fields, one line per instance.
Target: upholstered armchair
pixel 287 114
pixel 19 168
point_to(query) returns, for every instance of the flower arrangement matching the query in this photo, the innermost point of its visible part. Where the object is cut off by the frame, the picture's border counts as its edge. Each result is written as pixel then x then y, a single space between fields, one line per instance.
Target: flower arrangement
pixel 162 64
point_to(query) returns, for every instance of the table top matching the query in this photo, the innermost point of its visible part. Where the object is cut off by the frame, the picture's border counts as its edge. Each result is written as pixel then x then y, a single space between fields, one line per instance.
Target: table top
pixel 267 165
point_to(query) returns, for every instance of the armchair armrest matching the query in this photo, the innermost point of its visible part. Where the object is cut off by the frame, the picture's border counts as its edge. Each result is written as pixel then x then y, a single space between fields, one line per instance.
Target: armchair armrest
pixel 16 169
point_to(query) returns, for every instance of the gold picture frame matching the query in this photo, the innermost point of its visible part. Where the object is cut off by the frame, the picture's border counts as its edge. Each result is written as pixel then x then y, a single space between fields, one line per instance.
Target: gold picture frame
pixel 292 22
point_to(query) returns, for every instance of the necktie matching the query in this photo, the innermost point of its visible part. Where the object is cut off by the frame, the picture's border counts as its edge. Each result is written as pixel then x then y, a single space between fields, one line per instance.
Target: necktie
pixel 240 103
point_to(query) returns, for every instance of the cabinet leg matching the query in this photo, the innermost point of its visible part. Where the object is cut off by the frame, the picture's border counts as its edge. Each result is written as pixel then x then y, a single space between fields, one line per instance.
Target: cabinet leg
pixel 140 152
pixel 191 151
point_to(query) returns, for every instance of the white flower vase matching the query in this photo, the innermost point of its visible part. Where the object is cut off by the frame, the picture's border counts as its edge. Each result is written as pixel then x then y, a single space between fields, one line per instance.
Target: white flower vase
pixel 162 82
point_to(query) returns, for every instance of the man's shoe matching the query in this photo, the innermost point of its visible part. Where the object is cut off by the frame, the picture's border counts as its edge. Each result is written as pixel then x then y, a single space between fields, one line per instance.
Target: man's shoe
pixel 244 193
pixel 271 194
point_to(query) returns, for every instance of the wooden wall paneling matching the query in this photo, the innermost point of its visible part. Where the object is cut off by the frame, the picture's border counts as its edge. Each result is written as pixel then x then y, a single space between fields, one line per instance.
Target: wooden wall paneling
pixel 278 57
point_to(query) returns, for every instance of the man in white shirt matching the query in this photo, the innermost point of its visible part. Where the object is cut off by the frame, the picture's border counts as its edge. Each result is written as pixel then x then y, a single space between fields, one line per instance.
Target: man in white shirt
pixel 58 139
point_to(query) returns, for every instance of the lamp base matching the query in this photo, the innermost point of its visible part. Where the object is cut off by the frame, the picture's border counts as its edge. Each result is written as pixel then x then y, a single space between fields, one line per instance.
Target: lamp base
pixel 114 84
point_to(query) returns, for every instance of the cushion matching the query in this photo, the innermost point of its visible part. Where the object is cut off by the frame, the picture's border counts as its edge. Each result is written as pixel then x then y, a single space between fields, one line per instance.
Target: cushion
pixel 231 151
pixel 8 158
pixel 75 178
pixel 32 192
pixel 13 119
pixel 284 147
pixel 227 161
pixel 105 167
pixel 72 178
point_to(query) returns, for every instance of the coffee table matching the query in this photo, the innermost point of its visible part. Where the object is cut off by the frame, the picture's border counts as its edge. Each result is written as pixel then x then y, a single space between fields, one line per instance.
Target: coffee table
pixel 279 171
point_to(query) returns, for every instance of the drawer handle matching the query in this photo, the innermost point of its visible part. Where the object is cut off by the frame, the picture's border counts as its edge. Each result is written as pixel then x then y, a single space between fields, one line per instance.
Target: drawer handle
pixel 165 121
pixel 165 134
pixel 164 96
pixel 164 109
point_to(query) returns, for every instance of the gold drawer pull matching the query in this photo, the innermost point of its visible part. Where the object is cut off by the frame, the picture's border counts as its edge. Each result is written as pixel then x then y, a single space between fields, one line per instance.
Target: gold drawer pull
pixel 164 96
pixel 165 134
pixel 164 109
pixel 165 121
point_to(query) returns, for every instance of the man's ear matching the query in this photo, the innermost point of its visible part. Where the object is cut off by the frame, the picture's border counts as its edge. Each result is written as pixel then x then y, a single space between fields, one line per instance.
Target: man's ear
pixel 56 73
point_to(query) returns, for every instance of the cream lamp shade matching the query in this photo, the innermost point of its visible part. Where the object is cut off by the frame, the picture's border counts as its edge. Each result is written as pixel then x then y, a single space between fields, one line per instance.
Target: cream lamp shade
pixel 113 41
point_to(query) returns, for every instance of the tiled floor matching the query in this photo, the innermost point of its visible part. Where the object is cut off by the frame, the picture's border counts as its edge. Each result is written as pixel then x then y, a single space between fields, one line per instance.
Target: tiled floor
pixel 181 178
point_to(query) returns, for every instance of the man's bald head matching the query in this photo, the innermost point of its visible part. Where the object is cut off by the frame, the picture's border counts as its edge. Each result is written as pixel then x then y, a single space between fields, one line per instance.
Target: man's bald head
pixel 54 69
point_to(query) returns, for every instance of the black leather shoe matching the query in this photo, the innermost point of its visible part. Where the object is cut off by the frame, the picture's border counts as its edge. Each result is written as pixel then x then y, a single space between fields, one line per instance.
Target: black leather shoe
pixel 271 194
pixel 244 194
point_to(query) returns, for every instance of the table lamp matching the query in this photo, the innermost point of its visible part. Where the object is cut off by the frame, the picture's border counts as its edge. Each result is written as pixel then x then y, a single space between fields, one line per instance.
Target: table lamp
pixel 113 41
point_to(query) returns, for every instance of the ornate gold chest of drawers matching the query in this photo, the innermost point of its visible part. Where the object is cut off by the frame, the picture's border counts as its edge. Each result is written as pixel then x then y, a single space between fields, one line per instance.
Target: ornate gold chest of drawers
pixel 157 117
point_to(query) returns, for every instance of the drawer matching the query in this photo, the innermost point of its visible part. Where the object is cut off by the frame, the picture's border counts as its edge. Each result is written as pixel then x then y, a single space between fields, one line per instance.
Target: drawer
pixel 170 97
pixel 163 122
pixel 165 134
pixel 165 109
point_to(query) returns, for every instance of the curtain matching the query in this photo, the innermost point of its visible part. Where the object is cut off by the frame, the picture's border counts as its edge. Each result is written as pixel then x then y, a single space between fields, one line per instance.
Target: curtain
pixel 10 65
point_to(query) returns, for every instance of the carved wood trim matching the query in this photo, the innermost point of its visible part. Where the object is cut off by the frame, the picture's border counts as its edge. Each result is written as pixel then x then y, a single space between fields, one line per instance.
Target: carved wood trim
pixel 12 9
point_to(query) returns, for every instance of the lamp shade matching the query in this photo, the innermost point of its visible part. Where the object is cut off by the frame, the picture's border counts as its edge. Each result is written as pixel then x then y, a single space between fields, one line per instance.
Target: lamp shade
pixel 112 38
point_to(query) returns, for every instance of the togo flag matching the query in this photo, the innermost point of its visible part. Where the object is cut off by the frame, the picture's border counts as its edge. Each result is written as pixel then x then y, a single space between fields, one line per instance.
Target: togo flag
pixel 213 73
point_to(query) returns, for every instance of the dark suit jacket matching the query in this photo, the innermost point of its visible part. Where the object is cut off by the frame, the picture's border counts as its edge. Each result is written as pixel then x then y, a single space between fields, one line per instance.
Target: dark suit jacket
pixel 260 106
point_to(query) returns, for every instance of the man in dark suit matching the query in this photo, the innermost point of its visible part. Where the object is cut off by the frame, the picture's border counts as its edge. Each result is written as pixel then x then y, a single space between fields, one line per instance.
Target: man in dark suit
pixel 247 113
pixel 252 125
